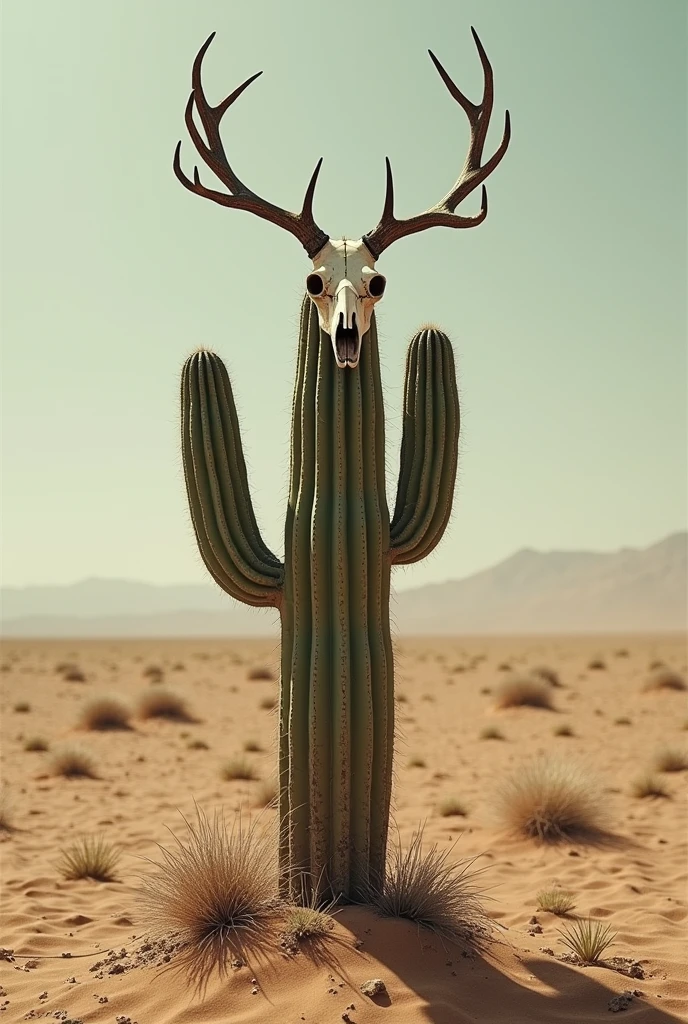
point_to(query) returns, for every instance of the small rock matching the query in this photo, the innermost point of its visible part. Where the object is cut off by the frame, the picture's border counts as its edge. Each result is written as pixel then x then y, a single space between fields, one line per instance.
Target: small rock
pixel 374 987
pixel 621 1002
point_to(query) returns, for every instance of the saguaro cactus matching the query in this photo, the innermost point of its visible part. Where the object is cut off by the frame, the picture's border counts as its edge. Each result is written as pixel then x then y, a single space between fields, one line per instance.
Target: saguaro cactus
pixel 336 725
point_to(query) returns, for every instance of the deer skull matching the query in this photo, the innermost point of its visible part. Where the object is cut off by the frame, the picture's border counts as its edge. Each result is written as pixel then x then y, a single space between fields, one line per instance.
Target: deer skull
pixel 345 286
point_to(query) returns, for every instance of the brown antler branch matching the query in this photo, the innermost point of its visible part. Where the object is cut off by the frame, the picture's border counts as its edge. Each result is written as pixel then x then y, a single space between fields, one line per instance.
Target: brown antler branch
pixel 472 174
pixel 302 225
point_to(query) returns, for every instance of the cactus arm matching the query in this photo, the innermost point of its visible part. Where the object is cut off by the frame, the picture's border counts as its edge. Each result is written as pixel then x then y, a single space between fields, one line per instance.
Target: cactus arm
pixel 429 448
pixel 217 486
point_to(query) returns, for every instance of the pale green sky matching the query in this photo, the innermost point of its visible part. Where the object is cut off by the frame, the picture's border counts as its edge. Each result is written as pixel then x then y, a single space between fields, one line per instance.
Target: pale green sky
pixel 567 308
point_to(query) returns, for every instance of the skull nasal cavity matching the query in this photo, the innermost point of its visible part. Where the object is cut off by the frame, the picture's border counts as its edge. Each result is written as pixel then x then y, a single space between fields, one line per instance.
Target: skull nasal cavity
pixel 315 284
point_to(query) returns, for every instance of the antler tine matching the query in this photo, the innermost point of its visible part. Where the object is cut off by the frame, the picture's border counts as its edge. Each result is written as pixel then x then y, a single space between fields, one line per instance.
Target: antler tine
pixel 389 229
pixel 240 197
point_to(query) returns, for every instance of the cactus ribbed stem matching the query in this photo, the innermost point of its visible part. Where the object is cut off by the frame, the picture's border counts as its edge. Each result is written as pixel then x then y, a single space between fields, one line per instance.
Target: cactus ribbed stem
pixel 336 727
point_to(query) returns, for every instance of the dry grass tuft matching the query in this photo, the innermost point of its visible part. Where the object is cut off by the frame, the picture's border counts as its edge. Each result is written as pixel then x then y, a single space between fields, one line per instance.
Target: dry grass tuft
pixel 648 785
pixel 551 800
pixel 623 720
pixel 596 665
pixel 197 745
pixel 564 730
pixel 588 939
pixel 161 703
pixel 491 732
pixel 22 707
pixel 72 761
pixel 154 673
pixel 260 672
pixel 450 807
pixel 310 920
pixel 671 759
pixel 664 679
pixel 35 743
pixel 216 888
pixel 268 703
pixel 548 674
pixel 105 713
pixel 238 768
pixel 432 890
pixel 417 762
pixel 555 901
pixel 252 747
pixel 523 691
pixel 89 858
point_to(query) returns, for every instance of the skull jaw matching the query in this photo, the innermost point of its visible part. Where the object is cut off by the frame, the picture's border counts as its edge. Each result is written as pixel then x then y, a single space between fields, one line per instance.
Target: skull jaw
pixel 346 343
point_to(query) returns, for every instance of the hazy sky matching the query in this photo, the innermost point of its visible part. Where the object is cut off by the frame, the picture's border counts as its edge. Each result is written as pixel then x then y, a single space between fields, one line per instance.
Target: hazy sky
pixel 567 308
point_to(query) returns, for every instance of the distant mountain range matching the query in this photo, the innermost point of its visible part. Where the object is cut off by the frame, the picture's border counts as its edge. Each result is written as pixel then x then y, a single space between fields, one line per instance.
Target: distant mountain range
pixel 631 590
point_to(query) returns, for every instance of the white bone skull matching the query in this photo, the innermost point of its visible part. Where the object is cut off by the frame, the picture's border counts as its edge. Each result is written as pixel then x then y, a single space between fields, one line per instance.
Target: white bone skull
pixel 344 286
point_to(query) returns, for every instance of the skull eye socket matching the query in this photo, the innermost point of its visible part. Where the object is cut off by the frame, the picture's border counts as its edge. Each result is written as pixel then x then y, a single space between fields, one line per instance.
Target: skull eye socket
pixel 377 285
pixel 315 284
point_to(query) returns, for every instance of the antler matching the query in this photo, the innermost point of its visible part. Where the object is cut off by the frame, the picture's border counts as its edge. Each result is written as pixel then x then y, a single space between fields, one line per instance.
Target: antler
pixel 302 225
pixel 472 175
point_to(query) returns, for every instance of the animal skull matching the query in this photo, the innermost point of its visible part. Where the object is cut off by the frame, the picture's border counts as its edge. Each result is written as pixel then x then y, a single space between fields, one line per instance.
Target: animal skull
pixel 345 286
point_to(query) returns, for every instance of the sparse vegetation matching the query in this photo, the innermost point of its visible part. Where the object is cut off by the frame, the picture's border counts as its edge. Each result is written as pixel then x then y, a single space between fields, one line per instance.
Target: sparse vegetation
pixel 670 759
pixel 35 743
pixel 556 901
pixel 563 730
pixel 551 800
pixel 305 923
pixel 163 703
pixel 197 745
pixel 22 707
pixel 259 672
pixel 664 679
pixel 238 768
pixel 417 762
pixel 89 858
pixel 450 807
pixel 546 673
pixel 216 884
pixel 154 673
pixel 596 664
pixel 648 785
pixel 268 703
pixel 6 811
pixel 265 794
pixel 623 720
pixel 71 672
pixel 491 732
pixel 252 747
pixel 433 891
pixel 588 939
pixel 105 712
pixel 401 697
pixel 72 760
pixel 523 691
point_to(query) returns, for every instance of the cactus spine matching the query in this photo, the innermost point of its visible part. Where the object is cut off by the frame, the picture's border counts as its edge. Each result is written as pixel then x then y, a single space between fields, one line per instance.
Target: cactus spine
pixel 337 675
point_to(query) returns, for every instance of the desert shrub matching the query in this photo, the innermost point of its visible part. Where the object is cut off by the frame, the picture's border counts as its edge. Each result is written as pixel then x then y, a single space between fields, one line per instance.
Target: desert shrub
pixel 72 760
pixel 670 759
pixel 450 807
pixel 621 653
pixel 154 673
pixel 623 720
pixel 523 691
pixel 665 679
pixel 197 745
pixel 35 743
pixel 648 785
pixel 179 666
pixel 215 886
pixel 265 794
pixel 252 747
pixel 656 663
pixel 238 768
pixel 162 703
pixel 555 901
pixel 89 858
pixel 417 762
pixel 563 730
pixel 490 732
pixel 73 674
pixel 105 712
pixel 259 672
pixel 308 921
pixel 431 890
pixel 22 707
pixel 588 939
pixel 401 697
pixel 596 664
pixel 551 800
pixel 268 703
pixel 546 673
pixel 504 666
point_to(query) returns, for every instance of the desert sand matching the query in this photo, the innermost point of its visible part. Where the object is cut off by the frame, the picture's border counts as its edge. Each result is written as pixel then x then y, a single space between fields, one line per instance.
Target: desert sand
pixel 79 947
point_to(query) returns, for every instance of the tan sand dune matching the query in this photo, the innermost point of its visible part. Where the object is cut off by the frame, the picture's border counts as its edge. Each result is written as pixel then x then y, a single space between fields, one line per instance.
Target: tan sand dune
pixel 148 774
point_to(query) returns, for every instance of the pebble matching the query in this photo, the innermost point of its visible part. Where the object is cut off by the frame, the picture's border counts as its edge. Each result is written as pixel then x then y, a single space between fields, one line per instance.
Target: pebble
pixel 374 987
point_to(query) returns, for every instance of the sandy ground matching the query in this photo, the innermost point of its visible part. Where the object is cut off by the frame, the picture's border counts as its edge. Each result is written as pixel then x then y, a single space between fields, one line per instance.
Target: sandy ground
pixel 149 774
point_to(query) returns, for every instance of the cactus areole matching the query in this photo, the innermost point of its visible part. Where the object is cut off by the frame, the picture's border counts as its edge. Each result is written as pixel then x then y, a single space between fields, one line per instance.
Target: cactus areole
pixel 336 721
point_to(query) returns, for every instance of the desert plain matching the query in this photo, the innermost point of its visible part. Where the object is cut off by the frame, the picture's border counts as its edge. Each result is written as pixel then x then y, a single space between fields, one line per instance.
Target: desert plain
pixel 78 950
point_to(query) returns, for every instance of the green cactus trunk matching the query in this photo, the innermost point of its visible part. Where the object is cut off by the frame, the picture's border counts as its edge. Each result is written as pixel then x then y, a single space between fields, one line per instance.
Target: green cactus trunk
pixel 337 700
